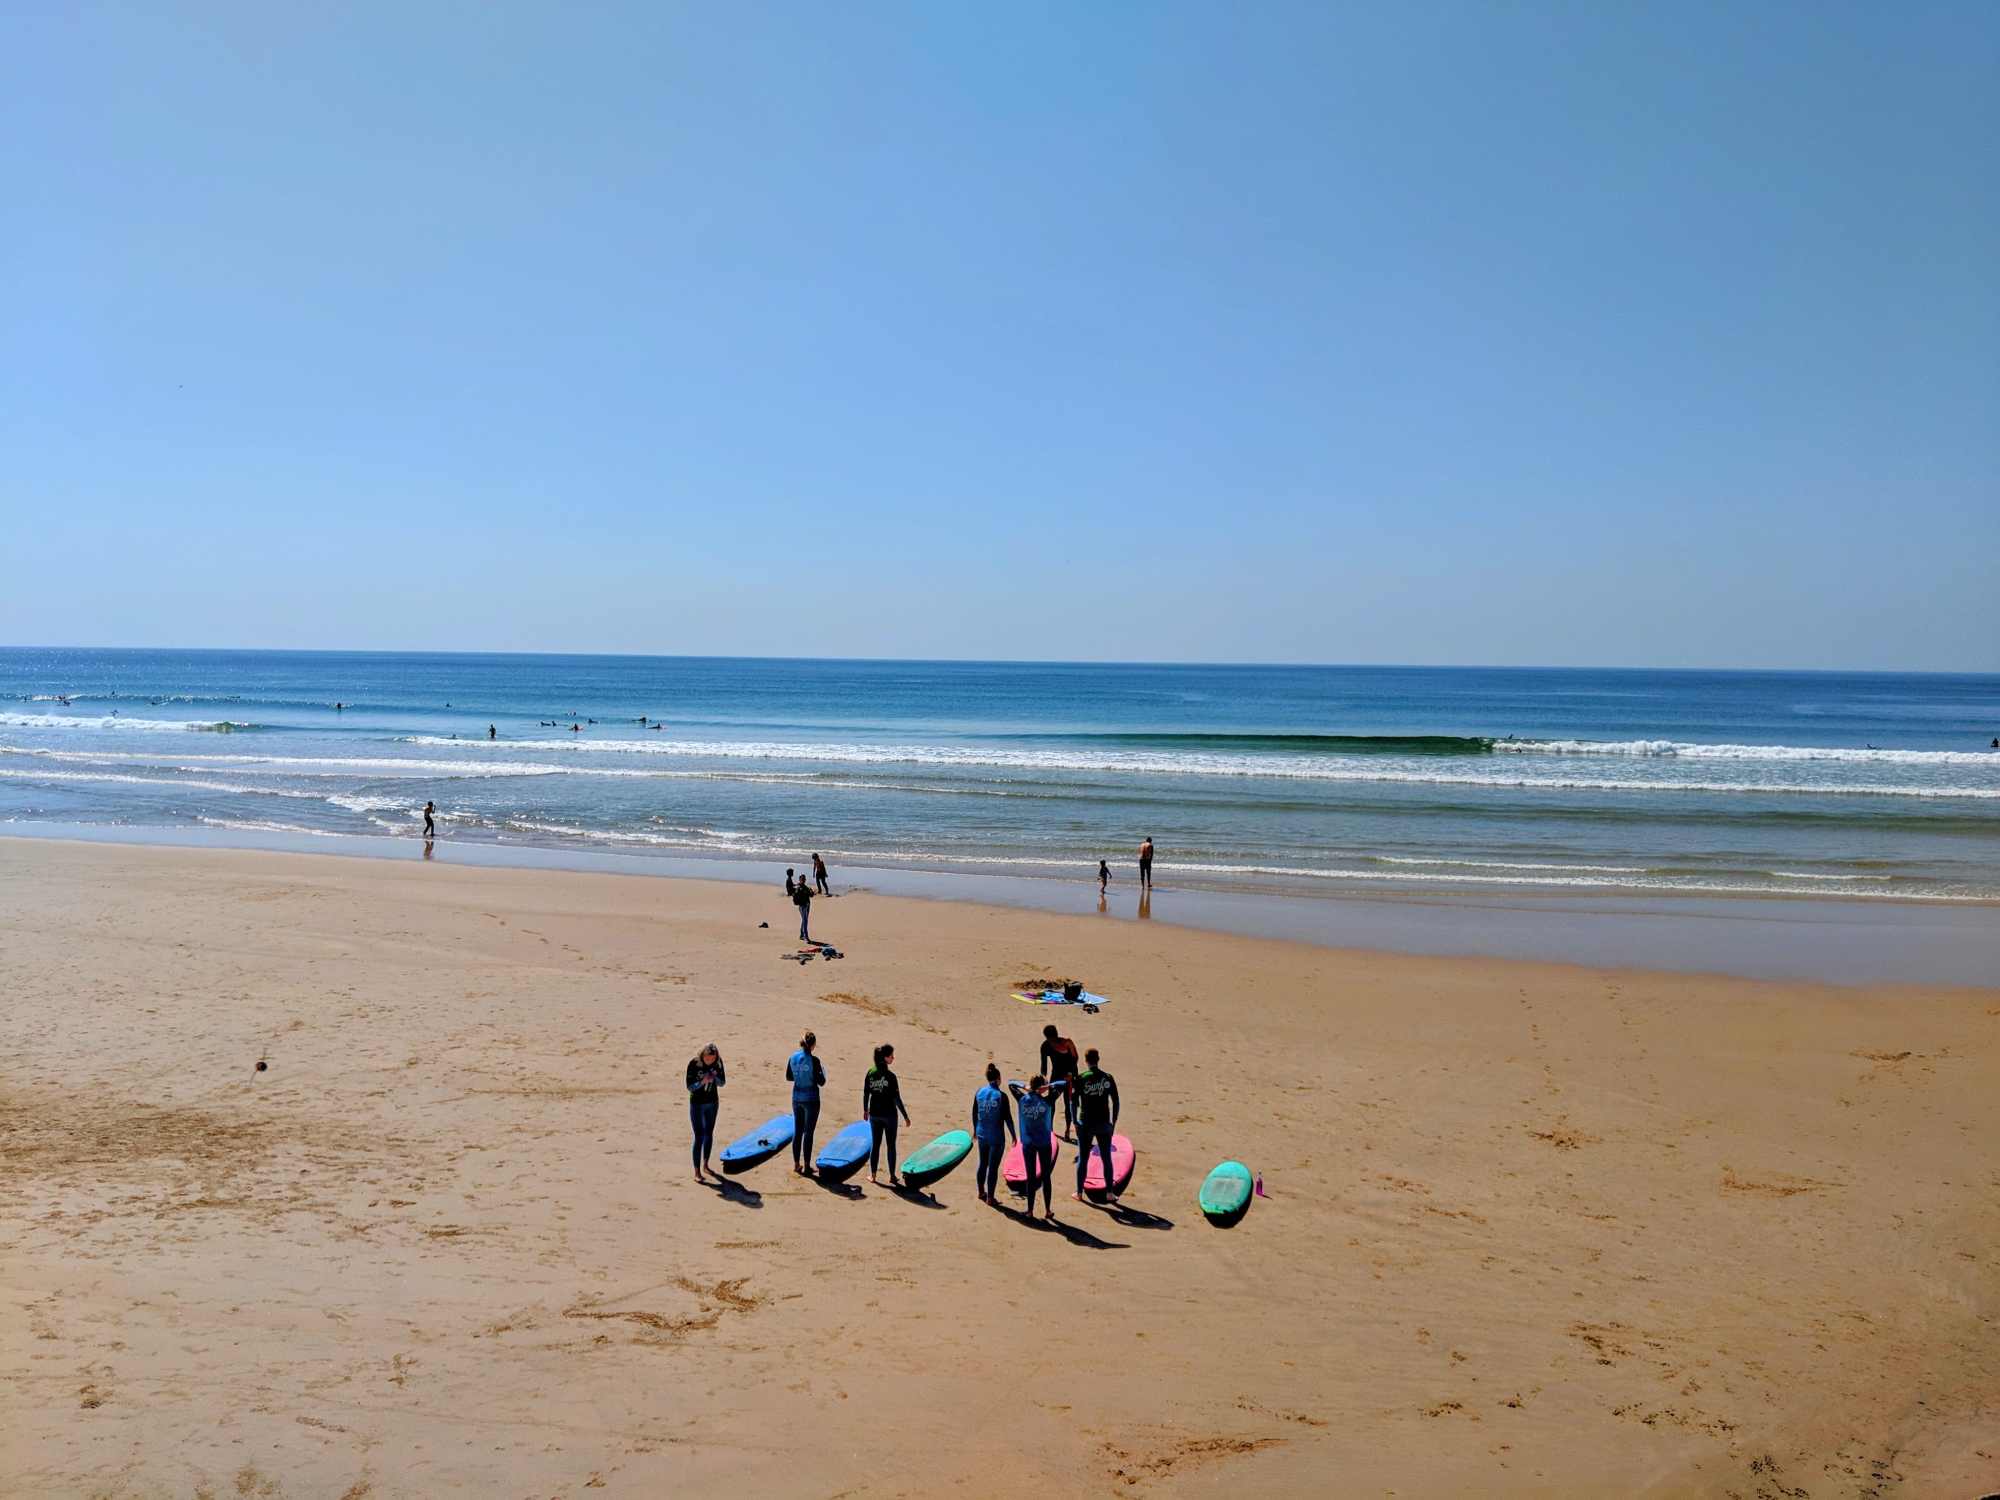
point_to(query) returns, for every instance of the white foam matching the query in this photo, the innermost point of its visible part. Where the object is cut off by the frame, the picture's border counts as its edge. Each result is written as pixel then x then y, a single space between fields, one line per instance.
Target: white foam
pixel 1692 750
pixel 1373 769
pixel 163 783
pixel 117 721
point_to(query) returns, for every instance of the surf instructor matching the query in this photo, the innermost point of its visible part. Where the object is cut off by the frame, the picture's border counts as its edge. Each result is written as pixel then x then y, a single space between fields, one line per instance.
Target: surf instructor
pixel 1096 1116
pixel 882 1101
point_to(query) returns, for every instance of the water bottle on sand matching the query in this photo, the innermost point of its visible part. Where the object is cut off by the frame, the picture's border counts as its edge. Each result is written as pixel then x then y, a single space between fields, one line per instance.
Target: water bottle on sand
pixel 1260 1184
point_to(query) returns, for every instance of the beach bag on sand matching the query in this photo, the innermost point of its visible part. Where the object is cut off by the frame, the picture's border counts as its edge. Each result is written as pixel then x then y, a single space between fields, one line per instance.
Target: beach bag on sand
pixel 1072 991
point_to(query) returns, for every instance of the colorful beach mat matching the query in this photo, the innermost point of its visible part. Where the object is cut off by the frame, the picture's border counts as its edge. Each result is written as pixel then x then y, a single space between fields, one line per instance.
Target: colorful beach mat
pixel 1055 997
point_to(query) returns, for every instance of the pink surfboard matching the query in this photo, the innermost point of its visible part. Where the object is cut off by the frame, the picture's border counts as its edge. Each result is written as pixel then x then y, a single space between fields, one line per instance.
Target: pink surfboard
pixel 1123 1159
pixel 1014 1166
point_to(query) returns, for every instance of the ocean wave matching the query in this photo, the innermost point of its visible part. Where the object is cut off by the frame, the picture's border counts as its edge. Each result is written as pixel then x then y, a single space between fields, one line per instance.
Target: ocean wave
pixel 162 783
pixel 1141 762
pixel 265 825
pixel 119 721
pixel 1694 750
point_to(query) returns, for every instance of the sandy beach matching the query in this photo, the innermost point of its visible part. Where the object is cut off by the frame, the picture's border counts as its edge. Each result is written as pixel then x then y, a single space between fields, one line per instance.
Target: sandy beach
pixel 1530 1229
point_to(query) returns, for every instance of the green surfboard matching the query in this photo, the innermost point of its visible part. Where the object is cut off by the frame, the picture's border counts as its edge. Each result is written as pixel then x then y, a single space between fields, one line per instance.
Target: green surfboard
pixel 1225 1196
pixel 927 1164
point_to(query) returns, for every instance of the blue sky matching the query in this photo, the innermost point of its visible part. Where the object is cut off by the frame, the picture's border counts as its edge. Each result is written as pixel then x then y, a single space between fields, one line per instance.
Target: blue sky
pixel 1572 334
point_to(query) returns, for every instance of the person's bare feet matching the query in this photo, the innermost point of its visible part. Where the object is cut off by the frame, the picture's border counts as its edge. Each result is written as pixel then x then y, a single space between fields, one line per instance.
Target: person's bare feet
pixel 1077 1196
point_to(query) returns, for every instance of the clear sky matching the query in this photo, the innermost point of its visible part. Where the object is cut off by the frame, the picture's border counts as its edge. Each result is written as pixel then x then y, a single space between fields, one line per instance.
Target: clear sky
pixel 1590 333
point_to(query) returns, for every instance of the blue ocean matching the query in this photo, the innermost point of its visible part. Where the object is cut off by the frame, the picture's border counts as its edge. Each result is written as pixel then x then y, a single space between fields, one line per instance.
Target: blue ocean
pixel 1296 779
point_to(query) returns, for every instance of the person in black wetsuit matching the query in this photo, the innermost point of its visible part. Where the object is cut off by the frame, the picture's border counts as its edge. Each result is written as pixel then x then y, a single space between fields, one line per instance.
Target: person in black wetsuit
pixel 430 820
pixel 819 875
pixel 808 1078
pixel 1059 1063
pixel 882 1101
pixel 1096 1115
pixel 802 898
pixel 705 1077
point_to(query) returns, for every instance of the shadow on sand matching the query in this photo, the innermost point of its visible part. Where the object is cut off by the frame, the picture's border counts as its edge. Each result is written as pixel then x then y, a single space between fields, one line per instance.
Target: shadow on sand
pixel 922 1197
pixel 734 1192
pixel 1076 1234
pixel 840 1187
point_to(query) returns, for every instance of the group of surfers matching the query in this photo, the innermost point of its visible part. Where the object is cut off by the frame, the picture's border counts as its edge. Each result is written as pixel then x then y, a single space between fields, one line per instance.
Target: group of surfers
pixel 1089 1098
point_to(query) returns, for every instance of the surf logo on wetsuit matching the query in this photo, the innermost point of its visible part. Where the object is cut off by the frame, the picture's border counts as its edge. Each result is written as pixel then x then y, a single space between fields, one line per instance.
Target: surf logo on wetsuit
pixel 1095 1091
pixel 881 1093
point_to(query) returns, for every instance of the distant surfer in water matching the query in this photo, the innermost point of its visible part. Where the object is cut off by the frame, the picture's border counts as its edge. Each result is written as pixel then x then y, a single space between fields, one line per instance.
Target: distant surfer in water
pixel 808 1078
pixel 430 820
pixel 992 1127
pixel 1038 1147
pixel 882 1099
pixel 492 733
pixel 705 1078
pixel 1146 864
pixel 1059 1063
pixel 1096 1114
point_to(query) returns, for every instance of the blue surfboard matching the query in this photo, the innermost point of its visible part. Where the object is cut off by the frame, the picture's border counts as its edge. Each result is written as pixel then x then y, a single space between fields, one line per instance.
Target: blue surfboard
pixel 759 1146
pixel 843 1155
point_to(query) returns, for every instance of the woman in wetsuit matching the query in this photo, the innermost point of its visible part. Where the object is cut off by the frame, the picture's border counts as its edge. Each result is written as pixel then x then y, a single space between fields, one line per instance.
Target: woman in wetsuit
pixel 705 1077
pixel 807 1077
pixel 1038 1147
pixel 882 1101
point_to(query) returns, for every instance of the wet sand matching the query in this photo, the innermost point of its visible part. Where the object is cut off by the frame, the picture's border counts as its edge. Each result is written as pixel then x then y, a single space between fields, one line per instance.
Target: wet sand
pixel 1531 1229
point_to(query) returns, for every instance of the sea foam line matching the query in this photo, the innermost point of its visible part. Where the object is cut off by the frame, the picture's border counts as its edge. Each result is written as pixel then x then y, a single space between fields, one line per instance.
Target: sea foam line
pixel 1279 767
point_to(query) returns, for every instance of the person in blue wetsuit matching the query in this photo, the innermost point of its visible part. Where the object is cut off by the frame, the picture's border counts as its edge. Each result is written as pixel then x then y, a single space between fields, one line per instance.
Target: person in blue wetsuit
pixel 705 1078
pixel 992 1127
pixel 808 1078
pixel 882 1101
pixel 1038 1141
pixel 1096 1113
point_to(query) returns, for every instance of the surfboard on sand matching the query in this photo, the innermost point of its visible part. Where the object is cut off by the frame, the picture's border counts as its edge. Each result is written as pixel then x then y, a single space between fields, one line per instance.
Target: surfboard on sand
pixel 842 1156
pixel 1225 1193
pixel 759 1146
pixel 927 1164
pixel 1014 1165
pixel 1123 1160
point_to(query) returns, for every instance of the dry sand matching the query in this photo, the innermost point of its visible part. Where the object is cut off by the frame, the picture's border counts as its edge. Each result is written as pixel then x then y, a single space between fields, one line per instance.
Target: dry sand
pixel 1531 1230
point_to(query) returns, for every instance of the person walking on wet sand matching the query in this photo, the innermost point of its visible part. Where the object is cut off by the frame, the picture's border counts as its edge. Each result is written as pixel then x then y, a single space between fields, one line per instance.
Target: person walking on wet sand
pixel 802 898
pixel 1103 877
pixel 705 1077
pixel 992 1127
pixel 430 820
pixel 882 1101
pixel 819 875
pixel 1146 864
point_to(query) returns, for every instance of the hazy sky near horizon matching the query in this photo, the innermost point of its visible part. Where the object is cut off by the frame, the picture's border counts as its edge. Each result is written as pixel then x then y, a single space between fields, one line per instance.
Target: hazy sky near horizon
pixel 1620 334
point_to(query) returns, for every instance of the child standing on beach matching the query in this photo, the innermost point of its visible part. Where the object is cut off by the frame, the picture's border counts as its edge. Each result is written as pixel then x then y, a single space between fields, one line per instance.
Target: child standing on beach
pixel 1103 876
